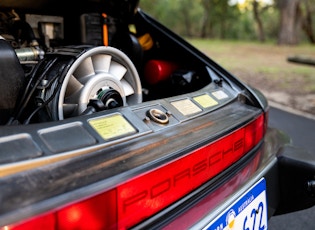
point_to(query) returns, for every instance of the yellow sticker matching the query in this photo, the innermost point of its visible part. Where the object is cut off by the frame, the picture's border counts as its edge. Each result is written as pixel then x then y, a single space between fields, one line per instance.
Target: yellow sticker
pixel 186 107
pixel 205 101
pixel 112 126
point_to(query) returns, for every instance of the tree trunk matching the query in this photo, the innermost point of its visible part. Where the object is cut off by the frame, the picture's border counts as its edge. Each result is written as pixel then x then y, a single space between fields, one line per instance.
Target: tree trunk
pixel 187 24
pixel 223 21
pixel 203 32
pixel 289 22
pixel 260 28
pixel 307 24
pixel 206 17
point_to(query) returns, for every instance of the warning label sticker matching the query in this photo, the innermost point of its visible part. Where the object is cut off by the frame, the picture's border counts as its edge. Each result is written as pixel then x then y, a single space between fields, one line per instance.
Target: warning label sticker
pixel 205 101
pixel 186 107
pixel 220 95
pixel 112 126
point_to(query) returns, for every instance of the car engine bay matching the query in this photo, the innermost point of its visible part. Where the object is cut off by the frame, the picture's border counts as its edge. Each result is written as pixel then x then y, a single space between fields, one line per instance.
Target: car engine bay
pixel 55 66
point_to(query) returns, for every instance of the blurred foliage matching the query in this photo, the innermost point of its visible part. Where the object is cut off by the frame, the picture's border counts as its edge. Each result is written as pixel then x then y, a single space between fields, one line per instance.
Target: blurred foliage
pixel 174 14
pixel 222 19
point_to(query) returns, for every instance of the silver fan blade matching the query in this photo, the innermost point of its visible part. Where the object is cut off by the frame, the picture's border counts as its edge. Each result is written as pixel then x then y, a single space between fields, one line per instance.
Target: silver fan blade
pixel 101 62
pixel 127 88
pixel 69 109
pixel 73 86
pixel 117 70
pixel 73 98
pixel 84 69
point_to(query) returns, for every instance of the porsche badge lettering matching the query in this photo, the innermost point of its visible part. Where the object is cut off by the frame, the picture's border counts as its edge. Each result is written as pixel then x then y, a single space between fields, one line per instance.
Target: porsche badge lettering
pixel 179 177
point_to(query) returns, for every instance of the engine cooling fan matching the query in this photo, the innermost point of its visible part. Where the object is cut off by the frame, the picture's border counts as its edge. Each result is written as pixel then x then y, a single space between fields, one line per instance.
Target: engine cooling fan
pixel 66 85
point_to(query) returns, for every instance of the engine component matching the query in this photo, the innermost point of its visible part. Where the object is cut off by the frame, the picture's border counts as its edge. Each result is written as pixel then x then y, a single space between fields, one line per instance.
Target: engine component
pixel 91 29
pixel 158 116
pixel 98 69
pixel 158 70
pixel 11 80
pixel 29 54
pixel 16 30
pixel 102 29
pixel 66 82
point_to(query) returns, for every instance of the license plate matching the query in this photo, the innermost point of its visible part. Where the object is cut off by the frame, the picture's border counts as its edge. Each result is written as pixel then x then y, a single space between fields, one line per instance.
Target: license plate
pixel 249 212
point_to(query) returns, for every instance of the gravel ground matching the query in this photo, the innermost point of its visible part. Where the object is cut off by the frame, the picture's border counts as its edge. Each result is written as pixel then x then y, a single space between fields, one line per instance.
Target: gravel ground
pixel 266 67
pixel 292 98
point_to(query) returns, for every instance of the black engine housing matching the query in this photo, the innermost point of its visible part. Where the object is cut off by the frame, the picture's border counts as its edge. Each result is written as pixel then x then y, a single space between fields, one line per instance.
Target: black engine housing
pixel 11 80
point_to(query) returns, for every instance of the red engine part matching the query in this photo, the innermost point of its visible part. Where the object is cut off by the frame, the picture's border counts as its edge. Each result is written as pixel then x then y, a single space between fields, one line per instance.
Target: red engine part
pixel 158 70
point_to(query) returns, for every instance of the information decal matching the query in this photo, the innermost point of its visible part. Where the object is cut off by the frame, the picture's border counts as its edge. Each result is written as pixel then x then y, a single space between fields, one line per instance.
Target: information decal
pixel 186 107
pixel 112 126
pixel 205 101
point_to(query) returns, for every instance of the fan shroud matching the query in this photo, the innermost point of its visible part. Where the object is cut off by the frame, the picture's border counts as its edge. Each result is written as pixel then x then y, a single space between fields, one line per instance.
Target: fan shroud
pixel 93 72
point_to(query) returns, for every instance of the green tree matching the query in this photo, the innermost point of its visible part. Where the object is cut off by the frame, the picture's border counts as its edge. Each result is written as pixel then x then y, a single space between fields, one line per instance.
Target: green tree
pixel 182 16
pixel 218 18
pixel 205 18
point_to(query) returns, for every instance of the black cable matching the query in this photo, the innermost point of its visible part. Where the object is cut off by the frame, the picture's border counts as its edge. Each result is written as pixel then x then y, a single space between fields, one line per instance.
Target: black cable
pixel 59 81
pixel 34 71
pixel 27 95
pixel 44 104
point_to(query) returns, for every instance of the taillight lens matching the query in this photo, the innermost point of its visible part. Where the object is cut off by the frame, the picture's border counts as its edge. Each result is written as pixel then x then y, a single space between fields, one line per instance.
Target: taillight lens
pixel 98 212
pixel 46 221
pixel 145 195
pixel 254 132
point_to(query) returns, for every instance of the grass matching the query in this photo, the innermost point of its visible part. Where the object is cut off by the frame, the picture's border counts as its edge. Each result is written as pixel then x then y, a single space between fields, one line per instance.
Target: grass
pixel 263 65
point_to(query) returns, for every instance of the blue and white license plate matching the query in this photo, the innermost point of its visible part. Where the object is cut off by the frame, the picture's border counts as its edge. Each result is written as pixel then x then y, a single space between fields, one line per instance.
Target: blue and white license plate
pixel 249 212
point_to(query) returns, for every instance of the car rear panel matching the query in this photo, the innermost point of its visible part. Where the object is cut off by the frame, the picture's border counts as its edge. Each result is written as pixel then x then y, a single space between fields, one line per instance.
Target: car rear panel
pixel 53 180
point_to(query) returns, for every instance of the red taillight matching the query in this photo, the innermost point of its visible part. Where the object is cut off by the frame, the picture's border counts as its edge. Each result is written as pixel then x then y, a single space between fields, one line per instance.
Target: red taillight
pixel 254 132
pixel 46 221
pixel 143 196
pixel 97 212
